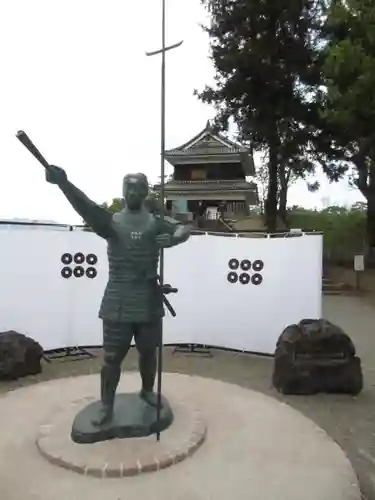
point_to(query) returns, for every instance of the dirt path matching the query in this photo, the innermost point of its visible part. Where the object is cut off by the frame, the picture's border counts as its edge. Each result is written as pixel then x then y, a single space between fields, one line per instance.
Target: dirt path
pixel 350 421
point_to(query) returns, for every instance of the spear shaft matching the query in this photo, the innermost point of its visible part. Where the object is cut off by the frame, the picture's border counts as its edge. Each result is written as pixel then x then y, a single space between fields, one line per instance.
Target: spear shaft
pixel 161 51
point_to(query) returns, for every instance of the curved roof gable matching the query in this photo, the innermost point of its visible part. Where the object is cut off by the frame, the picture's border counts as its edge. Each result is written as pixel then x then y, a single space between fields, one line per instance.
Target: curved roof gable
pixel 206 142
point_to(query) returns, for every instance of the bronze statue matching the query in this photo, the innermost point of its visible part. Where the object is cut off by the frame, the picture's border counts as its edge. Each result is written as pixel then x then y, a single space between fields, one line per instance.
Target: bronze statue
pixel 132 304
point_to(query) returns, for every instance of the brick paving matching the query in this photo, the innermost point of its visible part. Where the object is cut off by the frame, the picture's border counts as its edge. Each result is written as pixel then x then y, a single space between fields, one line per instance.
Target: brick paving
pixel 111 459
pixel 255 446
pixel 349 421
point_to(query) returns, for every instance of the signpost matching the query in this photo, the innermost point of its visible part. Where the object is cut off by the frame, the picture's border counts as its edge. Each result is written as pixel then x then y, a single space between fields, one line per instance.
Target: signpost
pixel 359 267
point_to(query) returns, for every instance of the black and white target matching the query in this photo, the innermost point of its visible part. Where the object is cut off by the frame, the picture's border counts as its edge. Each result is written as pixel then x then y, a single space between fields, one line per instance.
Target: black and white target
pixel 79 258
pixel 245 271
pixel 258 265
pixel 66 272
pixel 91 259
pixel 256 279
pixel 79 270
pixel 232 277
pixel 67 258
pixel 91 272
pixel 234 264
pixel 244 278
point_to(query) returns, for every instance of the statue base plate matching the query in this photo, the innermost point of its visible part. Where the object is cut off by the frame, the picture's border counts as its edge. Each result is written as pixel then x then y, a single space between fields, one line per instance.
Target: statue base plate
pixel 132 418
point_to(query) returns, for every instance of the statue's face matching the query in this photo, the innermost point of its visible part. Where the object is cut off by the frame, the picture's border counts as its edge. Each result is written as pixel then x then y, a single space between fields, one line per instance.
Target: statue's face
pixel 134 191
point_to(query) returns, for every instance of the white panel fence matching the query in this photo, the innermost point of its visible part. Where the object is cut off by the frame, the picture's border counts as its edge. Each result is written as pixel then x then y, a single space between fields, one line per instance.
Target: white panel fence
pixel 237 293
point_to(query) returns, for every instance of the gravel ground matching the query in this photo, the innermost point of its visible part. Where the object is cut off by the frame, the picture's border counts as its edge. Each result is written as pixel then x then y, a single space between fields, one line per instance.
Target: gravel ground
pixel 348 420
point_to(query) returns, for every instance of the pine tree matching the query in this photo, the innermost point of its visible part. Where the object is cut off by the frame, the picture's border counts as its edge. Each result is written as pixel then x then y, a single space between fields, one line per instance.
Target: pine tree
pixel 265 55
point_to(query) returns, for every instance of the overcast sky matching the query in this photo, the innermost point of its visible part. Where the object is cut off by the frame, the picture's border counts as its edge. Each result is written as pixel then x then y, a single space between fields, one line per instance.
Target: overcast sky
pixel 75 77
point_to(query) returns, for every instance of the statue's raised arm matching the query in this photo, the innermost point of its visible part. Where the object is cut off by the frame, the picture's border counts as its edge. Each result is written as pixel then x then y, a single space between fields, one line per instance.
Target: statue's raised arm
pixel 97 217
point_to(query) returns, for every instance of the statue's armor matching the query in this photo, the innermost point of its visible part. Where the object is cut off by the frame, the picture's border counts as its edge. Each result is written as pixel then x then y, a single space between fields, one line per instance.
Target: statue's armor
pixel 132 293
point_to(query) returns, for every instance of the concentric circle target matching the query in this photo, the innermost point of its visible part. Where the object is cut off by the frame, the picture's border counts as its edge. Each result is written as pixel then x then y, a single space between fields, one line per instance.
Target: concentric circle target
pixel 78 272
pixel 244 279
pixel 79 258
pixel 234 264
pixel 91 272
pixel 66 258
pixel 91 259
pixel 245 265
pixel 66 272
pixel 258 265
pixel 232 277
pixel 256 279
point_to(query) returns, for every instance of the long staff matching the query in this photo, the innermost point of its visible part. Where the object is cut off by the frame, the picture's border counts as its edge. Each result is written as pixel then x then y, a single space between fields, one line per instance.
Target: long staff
pixel 161 51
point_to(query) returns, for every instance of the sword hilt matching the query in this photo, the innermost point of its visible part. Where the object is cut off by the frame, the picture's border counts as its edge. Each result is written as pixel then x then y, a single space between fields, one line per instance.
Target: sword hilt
pixel 166 289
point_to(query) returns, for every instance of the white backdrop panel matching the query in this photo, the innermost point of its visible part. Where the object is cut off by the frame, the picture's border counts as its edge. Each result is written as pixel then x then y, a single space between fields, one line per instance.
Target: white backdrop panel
pixel 36 300
pixel 85 327
pixel 182 272
pixel 251 317
pixel 33 297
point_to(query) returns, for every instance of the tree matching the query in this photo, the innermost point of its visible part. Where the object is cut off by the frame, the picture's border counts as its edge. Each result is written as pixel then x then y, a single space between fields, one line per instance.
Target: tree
pixel 115 205
pixel 349 107
pixel 289 173
pixel 264 54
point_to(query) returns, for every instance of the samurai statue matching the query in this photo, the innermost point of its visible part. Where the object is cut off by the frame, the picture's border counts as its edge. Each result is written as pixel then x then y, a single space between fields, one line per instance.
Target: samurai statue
pixel 132 305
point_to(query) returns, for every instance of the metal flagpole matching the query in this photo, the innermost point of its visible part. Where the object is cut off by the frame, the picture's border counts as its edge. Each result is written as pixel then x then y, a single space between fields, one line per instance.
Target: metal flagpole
pixel 162 51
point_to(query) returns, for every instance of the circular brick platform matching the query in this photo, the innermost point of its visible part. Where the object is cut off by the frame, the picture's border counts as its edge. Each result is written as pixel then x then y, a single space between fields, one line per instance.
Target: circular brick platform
pixel 121 457
pixel 255 447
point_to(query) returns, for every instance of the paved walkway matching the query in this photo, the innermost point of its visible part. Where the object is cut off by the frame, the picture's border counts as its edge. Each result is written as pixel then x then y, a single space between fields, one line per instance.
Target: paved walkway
pixel 256 447
pixel 349 421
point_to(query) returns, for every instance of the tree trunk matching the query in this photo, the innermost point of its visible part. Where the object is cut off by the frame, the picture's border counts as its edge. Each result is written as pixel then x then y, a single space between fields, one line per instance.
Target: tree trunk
pixel 271 201
pixel 283 194
pixel 371 212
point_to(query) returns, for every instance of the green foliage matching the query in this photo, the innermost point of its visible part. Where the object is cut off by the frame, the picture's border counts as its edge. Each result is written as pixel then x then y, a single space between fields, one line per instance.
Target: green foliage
pixel 349 73
pixel 344 230
pixel 349 106
pixel 265 57
pixel 349 67
pixel 115 206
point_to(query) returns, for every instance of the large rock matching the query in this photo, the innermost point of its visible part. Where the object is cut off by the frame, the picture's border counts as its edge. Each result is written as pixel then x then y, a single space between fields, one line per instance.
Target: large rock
pixel 19 356
pixel 316 356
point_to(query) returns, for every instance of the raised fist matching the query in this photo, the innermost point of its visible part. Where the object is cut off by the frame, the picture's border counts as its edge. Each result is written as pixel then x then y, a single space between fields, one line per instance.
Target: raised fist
pixel 56 175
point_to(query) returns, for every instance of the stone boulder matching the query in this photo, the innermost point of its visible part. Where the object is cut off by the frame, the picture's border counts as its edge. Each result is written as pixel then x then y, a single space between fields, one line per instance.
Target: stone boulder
pixel 19 356
pixel 316 356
